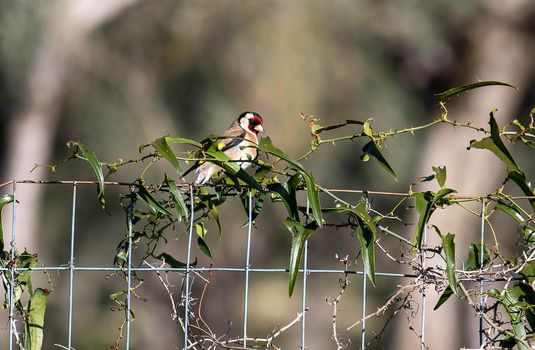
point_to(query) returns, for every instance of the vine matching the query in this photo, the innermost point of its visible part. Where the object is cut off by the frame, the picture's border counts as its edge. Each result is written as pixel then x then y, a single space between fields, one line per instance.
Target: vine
pixel 165 206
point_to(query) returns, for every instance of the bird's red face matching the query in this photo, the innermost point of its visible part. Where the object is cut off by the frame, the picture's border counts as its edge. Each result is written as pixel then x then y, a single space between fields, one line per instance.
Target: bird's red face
pixel 252 121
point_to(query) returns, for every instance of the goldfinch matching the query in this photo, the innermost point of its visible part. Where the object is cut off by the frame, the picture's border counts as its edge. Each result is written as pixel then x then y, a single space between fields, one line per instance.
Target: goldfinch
pixel 239 142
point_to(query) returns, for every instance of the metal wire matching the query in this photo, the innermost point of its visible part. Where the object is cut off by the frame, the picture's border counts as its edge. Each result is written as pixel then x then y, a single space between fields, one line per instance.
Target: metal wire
pixel 129 273
pixel 304 293
pixel 481 260
pixel 363 329
pixel 424 293
pixel 247 267
pixel 188 269
pixel 71 265
pixel 12 270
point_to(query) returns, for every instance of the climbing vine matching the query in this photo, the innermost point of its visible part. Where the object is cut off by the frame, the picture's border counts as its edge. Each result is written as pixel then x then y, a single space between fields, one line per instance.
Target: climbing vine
pixel 157 208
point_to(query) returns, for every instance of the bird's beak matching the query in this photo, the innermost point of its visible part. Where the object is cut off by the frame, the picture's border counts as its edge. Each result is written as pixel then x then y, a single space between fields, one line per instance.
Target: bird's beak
pixel 259 128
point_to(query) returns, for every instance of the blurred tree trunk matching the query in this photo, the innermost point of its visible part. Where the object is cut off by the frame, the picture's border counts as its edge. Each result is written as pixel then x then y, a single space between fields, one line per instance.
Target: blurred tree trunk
pixel 32 131
pixel 500 50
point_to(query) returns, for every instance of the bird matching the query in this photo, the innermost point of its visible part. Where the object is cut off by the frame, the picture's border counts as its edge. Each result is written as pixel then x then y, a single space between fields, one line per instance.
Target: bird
pixel 239 142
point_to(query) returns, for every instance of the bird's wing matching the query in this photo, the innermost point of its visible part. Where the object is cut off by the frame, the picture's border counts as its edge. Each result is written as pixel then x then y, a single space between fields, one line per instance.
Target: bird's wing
pixel 228 143
pixel 234 136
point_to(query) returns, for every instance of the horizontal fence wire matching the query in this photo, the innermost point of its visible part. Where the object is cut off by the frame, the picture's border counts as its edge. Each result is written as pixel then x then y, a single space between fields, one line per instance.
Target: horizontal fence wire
pixel 12 270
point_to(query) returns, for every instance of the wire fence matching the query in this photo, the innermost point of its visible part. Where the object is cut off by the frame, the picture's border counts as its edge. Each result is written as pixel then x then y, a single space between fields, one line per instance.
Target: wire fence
pixel 246 270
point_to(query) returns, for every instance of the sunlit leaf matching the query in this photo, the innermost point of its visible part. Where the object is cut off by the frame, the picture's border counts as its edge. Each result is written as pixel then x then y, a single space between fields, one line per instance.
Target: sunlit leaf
pixel 520 179
pixel 162 148
pixel 5 199
pixel 267 146
pixel 183 141
pixel 510 300
pixel 201 231
pixel 426 203
pixel 528 272
pixel 514 211
pixel 177 199
pixel 448 292
pixel 34 325
pixel 153 204
pixel 474 257
pixel 464 88
pixel 231 168
pixel 287 195
pixel 91 158
pixel 300 233
pixel 366 233
pixel 448 247
pixel 495 144
pixel 372 149
pixel 440 173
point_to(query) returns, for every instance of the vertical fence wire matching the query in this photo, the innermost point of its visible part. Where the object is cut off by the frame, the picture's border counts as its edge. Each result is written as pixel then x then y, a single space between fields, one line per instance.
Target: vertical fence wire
pixel 247 267
pixel 481 260
pixel 363 329
pixel 11 265
pixel 364 291
pixel 186 276
pixel 305 276
pixel 424 292
pixel 71 266
pixel 129 271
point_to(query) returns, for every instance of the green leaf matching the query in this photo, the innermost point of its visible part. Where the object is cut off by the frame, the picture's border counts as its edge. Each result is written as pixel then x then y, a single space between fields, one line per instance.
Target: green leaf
pixel 528 296
pixel 287 194
pixel 201 231
pixel 162 149
pixel 34 325
pixel 182 140
pixel 258 204
pixel 520 179
pixel 426 203
pixel 300 233
pixel 314 199
pixel 440 173
pixel 510 301
pixel 448 247
pixel 464 88
pixel 367 129
pixel 5 199
pixel 169 260
pixel 231 168
pixel 266 145
pixel 495 144
pixel 153 204
pixel 90 157
pixel 372 149
pixel 514 211
pixel 182 211
pixel 528 272
pixel 448 292
pixel 366 233
pixel 474 257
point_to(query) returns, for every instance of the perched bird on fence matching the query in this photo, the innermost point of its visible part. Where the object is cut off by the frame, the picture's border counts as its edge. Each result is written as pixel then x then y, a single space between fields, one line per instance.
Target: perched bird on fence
pixel 239 142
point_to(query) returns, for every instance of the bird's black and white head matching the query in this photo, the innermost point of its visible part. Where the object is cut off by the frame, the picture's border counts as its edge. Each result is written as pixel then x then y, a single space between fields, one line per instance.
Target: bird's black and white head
pixel 251 122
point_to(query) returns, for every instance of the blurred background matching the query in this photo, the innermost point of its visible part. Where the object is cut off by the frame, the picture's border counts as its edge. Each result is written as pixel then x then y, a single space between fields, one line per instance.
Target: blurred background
pixel 118 74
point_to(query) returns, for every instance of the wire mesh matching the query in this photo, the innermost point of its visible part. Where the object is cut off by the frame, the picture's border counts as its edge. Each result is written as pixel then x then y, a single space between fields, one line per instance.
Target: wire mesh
pixel 71 267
